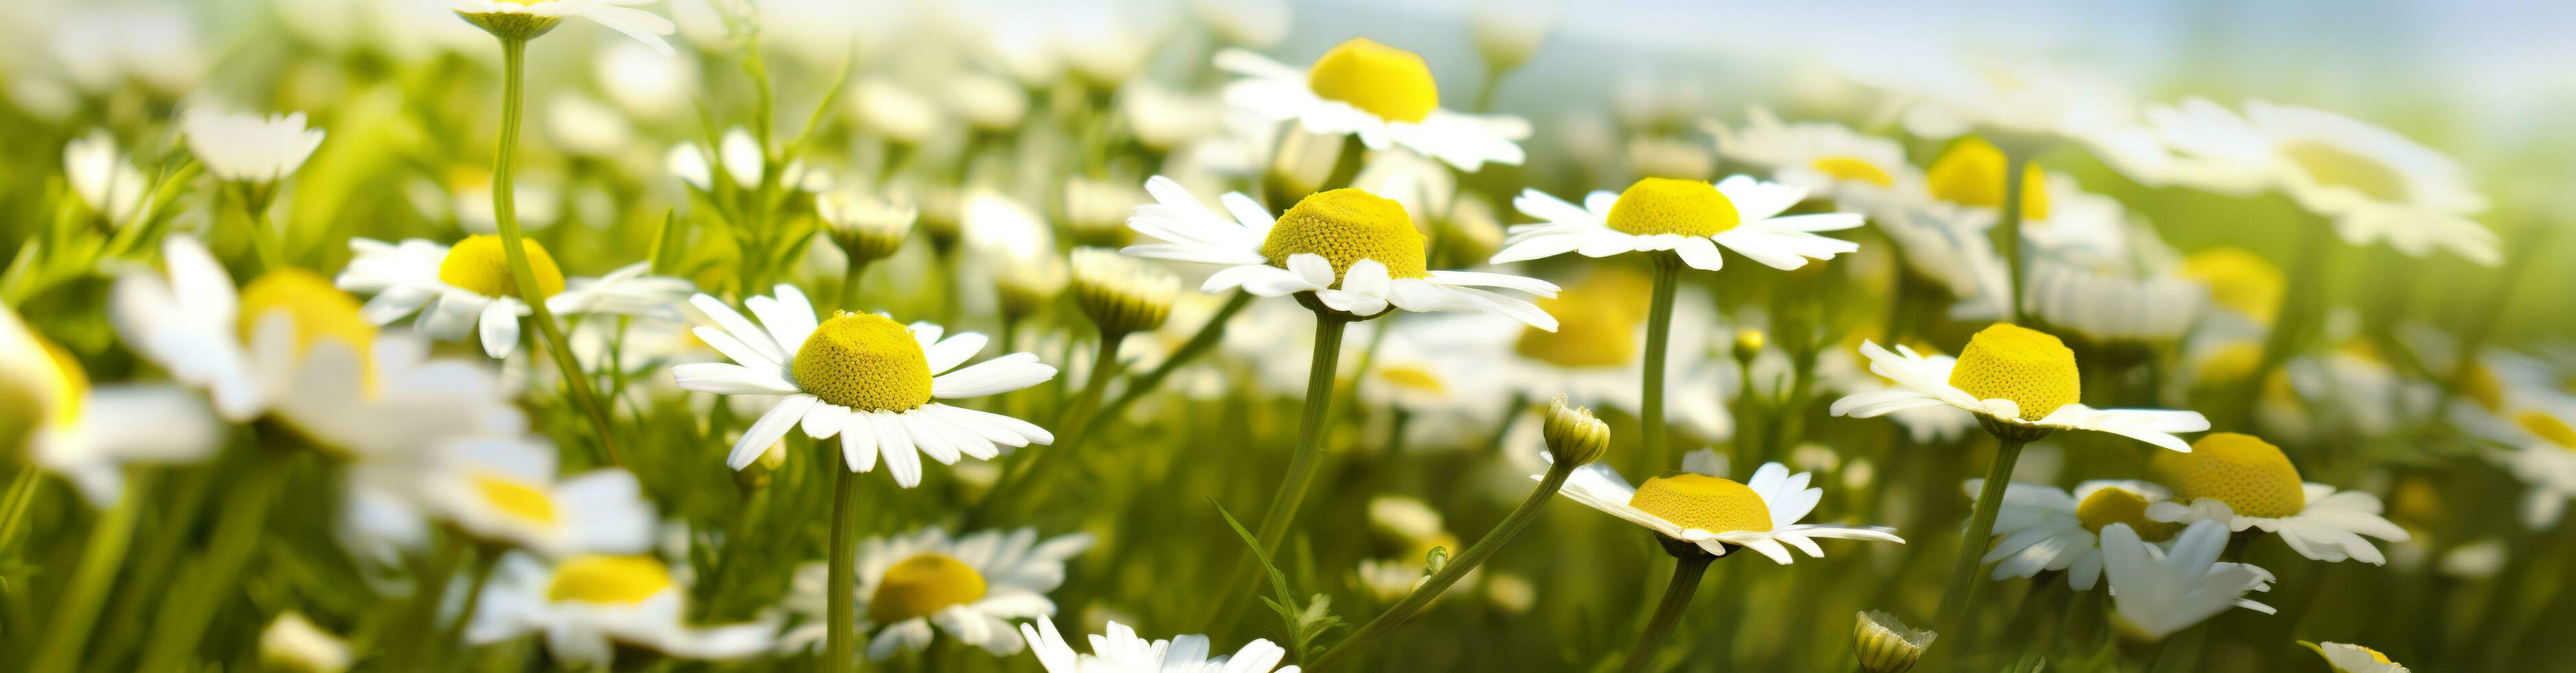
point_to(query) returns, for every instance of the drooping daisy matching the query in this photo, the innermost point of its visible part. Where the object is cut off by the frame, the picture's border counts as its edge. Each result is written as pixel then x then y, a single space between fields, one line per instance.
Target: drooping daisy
pixel 2355 658
pixel 2156 592
pixel 87 435
pixel 2546 461
pixel 2244 482
pixel 1122 651
pixel 1382 94
pixel 1720 514
pixel 586 604
pixel 2043 527
pixel 1828 160
pixel 862 377
pixel 1688 217
pixel 2373 183
pixel 467 288
pixel 2015 379
pixel 970 587
pixel 506 490
pixel 248 148
pixel 524 19
pixel 1353 251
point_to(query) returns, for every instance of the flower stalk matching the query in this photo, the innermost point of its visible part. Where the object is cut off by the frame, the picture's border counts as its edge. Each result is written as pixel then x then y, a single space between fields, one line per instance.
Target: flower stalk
pixel 1659 339
pixel 505 214
pixel 1981 526
pixel 1688 567
pixel 840 654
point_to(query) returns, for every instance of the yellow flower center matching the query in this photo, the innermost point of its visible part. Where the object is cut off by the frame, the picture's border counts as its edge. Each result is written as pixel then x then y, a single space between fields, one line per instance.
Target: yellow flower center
pixel 1597 322
pixel 515 498
pixel 1671 206
pixel 922 586
pixel 614 580
pixel 1713 504
pixel 2481 386
pixel 2247 473
pixel 1414 377
pixel 1385 81
pixel 2117 505
pixel 2027 366
pixel 479 265
pixel 2337 167
pixel 1853 169
pixel 1971 173
pixel 2239 280
pixel 2547 427
pixel 1346 226
pixel 49 395
pixel 316 308
pixel 864 361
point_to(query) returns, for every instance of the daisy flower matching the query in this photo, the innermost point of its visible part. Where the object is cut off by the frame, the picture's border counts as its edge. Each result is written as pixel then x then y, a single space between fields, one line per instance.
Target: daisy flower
pixel 2355 658
pixel 1348 249
pixel 862 377
pixel 102 177
pixel 1381 94
pixel 1717 513
pixel 506 490
pixel 2546 461
pixel 87 435
pixel 2027 105
pixel 1842 370
pixel 525 19
pixel 1691 218
pixel 2017 381
pixel 2156 592
pixel 969 587
pixel 1596 352
pixel 1827 159
pixel 2045 528
pixel 466 288
pixel 1122 651
pixel 2244 482
pixel 248 148
pixel 2373 183
pixel 587 604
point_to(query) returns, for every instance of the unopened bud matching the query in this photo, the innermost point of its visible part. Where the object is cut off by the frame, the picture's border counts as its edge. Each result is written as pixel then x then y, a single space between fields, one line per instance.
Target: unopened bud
pixel 1573 435
pixel 1885 645
pixel 1121 293
pixel 866 228
pixel 1748 343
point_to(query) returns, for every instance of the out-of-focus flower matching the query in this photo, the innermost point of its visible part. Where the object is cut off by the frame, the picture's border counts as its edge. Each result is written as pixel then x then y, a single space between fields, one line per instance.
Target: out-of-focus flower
pixel 247 147
pixel 2238 280
pixel 1122 651
pixel 2244 482
pixel 894 110
pixel 1096 211
pixel 867 228
pixel 1121 294
pixel 2355 658
pixel 2373 183
pixel 1251 24
pixel 1828 160
pixel 971 587
pixel 467 288
pixel 506 491
pixel 293 643
pixel 1691 218
pixel 2157 591
pixel 1658 156
pixel 2013 378
pixel 87 435
pixel 1720 514
pixel 103 178
pixel 1382 94
pixel 2043 527
pixel 1164 119
pixel 2546 462
pixel 103 46
pixel 525 19
pixel 1508 32
pixel 582 126
pixel 586 604
pixel 2111 306
pixel 1594 353
pixel 649 85
pixel 2025 105
pixel 990 104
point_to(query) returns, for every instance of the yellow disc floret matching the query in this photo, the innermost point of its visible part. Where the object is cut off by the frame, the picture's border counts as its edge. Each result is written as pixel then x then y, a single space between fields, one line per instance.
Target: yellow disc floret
pixel 1713 504
pixel 2333 166
pixel 1971 173
pixel 2247 473
pixel 515 498
pixel 922 586
pixel 480 265
pixel 1385 81
pixel 2239 280
pixel 864 361
pixel 614 580
pixel 2017 363
pixel 1853 169
pixel 2548 428
pixel 1671 206
pixel 2479 384
pixel 316 308
pixel 1346 226
pixel 1597 322
pixel 2113 504
pixel 1413 377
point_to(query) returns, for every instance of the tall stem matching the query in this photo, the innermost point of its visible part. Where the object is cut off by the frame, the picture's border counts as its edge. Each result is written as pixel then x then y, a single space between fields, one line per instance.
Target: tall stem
pixel 1458 567
pixel 77 611
pixel 850 284
pixel 1972 544
pixel 14 505
pixel 1659 338
pixel 179 629
pixel 1311 428
pixel 505 213
pixel 2015 163
pixel 840 642
pixel 1687 570
pixel 1206 338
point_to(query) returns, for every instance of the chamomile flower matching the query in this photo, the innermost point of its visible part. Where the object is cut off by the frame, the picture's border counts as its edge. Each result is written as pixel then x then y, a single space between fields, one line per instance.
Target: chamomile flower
pixel 1720 514
pixel 103 178
pixel 523 19
pixel 1688 217
pixel 506 490
pixel 87 435
pixel 2546 461
pixel 1122 651
pixel 864 378
pixel 1382 94
pixel 2244 482
pixel 587 604
pixel 970 587
pixel 1827 159
pixel 2043 527
pixel 2015 379
pixel 2029 104
pixel 467 288
pixel 1348 249
pixel 2355 658
pixel 2157 591
pixel 2373 183
pixel 248 148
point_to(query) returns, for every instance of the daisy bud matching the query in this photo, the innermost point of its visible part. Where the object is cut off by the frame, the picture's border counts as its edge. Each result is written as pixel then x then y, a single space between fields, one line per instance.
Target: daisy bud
pixel 865 227
pixel 1573 435
pixel 1748 342
pixel 1884 645
pixel 1096 211
pixel 757 474
pixel 1029 284
pixel 1121 293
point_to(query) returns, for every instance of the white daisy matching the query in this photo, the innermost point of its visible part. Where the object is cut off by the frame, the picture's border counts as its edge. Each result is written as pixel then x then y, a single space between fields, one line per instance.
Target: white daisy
pixel 2030 104
pixel 1688 217
pixel 1122 651
pixel 87 435
pixel 1715 512
pixel 970 587
pixel 2245 482
pixel 2157 592
pixel 506 490
pixel 1842 371
pixel 102 177
pixel 738 156
pixel 243 147
pixel 2113 305
pixel 2010 377
pixel 1382 94
pixel 2043 527
pixel 2355 658
pixel 615 14
pixel 2375 184
pixel 862 377
pixel 1449 390
pixel 1827 159
pixel 467 288
pixel 586 604
pixel 2546 461
pixel 1355 252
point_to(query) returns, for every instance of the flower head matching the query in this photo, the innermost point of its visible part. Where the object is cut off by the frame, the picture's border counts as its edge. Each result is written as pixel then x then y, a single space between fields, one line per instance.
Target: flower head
pixel 527 19
pixel 1121 293
pixel 1718 514
pixel 1573 435
pixel 1383 95
pixel 2017 381
pixel 1690 218
pixel 969 586
pixel 2245 482
pixel 2157 591
pixel 243 147
pixel 1884 645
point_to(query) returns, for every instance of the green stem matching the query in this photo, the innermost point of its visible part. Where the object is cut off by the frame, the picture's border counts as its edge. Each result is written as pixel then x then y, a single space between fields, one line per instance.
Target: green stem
pixel 1972 544
pixel 1075 424
pixel 486 558
pixel 1346 165
pixel 14 505
pixel 840 642
pixel 182 627
pixel 850 284
pixel 1659 338
pixel 77 611
pixel 265 240
pixel 1206 338
pixel 2015 163
pixel 505 213
pixel 1311 428
pixel 1687 570
pixel 1485 547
